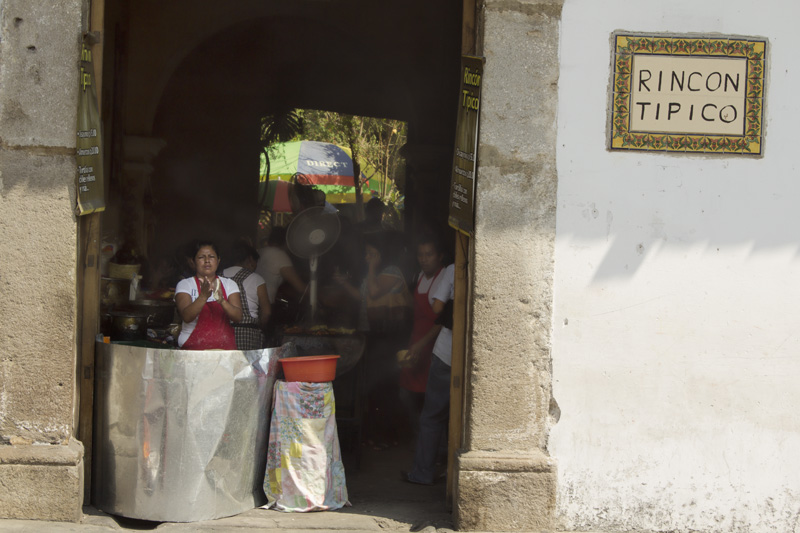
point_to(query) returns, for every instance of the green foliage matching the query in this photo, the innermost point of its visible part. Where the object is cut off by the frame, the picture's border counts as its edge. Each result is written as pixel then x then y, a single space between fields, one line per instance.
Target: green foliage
pixel 281 126
pixel 375 144
pixel 278 127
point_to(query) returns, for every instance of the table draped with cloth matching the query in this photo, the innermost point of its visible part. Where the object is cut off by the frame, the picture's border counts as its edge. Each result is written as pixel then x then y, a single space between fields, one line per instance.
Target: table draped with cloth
pixel 304 464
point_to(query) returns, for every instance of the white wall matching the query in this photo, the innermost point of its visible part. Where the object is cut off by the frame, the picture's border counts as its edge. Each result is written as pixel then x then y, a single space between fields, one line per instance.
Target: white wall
pixel 676 329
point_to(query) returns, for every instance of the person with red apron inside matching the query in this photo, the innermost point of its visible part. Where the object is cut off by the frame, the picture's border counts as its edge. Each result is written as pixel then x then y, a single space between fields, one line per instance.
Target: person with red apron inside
pixel 207 304
pixel 430 297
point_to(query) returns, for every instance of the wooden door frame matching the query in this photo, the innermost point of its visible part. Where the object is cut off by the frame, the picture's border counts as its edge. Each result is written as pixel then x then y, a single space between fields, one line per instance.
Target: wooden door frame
pixel 88 283
pixel 461 307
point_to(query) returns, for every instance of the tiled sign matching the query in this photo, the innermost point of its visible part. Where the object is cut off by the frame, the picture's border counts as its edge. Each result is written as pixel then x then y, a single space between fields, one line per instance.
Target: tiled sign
pixel 679 94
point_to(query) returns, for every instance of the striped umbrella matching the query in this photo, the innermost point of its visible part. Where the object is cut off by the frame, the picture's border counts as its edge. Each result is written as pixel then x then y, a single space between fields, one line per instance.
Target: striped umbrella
pixel 327 166
pixel 277 196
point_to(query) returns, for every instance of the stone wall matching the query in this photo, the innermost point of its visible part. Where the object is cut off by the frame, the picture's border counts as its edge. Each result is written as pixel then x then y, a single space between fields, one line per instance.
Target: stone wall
pixel 39 52
pixel 505 480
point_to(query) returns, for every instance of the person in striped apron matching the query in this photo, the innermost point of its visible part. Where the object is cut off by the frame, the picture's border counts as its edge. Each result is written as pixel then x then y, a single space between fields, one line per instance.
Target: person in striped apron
pixel 255 300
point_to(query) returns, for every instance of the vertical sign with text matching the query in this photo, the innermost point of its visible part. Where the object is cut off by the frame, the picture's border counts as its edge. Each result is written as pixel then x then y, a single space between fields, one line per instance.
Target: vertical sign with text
pixel 89 143
pixel 465 160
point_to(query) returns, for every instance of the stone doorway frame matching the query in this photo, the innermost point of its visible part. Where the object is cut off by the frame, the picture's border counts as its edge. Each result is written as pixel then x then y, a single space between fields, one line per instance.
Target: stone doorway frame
pixel 505 479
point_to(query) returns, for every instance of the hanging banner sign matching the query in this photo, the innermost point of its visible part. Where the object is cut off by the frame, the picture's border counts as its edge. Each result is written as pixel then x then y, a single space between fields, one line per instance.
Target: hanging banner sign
pixel 89 179
pixel 465 155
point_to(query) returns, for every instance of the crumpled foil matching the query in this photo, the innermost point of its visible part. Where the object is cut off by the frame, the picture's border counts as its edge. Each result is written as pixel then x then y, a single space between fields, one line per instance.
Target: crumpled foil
pixel 181 436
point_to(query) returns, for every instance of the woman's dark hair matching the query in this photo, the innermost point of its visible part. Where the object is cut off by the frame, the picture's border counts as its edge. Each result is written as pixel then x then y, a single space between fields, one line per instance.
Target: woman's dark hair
pixel 242 251
pixel 373 210
pixel 377 241
pixel 305 192
pixel 277 236
pixel 428 237
pixel 196 245
pixel 389 244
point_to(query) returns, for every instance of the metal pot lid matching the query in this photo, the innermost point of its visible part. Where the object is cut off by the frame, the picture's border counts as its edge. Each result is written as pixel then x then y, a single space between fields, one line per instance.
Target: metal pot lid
pixel 151 303
pixel 128 314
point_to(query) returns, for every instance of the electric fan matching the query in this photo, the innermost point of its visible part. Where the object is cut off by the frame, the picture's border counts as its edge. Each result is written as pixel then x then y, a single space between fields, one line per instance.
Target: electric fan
pixel 312 233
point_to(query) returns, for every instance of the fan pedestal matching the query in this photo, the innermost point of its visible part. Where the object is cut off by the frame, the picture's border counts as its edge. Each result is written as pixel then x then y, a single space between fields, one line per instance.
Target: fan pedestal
pixel 313 263
pixel 312 233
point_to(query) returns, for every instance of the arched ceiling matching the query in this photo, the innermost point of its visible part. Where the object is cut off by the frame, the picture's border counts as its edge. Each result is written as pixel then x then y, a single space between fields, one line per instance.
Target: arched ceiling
pixel 200 75
pixel 391 58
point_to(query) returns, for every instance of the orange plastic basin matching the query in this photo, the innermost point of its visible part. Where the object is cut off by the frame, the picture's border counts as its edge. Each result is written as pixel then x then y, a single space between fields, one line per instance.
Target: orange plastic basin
pixel 312 368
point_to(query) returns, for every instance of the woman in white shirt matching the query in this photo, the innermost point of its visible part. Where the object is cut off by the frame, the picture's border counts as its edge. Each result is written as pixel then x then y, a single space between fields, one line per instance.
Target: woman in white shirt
pixel 207 304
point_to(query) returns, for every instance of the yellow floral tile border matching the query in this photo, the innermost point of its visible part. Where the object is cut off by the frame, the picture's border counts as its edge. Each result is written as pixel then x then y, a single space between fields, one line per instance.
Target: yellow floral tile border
pixel 626 46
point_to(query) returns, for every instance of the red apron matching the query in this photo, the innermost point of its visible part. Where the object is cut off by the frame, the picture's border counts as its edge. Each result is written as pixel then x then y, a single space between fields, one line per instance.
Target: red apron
pixel 415 378
pixel 213 330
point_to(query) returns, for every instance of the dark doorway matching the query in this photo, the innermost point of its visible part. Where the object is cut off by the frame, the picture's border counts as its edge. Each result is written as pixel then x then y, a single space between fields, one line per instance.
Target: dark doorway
pixel 196 77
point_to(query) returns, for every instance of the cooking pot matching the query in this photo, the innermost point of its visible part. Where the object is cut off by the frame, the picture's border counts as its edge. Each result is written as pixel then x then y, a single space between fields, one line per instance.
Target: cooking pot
pixel 114 291
pixel 127 325
pixel 160 312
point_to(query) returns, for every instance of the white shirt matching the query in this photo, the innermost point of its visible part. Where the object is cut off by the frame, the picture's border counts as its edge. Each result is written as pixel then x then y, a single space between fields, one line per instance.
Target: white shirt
pixel 270 263
pixel 250 284
pixel 440 287
pixel 443 347
pixel 189 286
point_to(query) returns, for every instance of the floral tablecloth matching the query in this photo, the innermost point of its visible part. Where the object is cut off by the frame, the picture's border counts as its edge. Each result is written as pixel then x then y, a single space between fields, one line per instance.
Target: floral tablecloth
pixel 304 463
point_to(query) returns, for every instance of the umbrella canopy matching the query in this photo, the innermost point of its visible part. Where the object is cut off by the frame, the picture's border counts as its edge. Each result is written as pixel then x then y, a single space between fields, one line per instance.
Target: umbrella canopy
pixel 278 196
pixel 327 166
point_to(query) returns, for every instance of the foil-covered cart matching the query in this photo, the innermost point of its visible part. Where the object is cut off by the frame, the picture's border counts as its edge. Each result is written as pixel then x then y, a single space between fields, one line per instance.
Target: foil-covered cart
pixel 181 436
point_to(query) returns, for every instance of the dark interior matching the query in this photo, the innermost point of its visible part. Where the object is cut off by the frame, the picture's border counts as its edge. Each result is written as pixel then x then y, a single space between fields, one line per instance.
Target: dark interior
pixel 193 80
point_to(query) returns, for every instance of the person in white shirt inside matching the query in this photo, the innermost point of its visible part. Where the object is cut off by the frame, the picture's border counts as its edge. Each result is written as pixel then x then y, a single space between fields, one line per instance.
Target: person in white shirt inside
pixel 433 421
pixel 255 299
pixel 275 265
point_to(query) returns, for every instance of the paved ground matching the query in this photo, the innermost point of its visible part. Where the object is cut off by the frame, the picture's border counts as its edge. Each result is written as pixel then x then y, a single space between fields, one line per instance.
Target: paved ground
pixel 380 502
